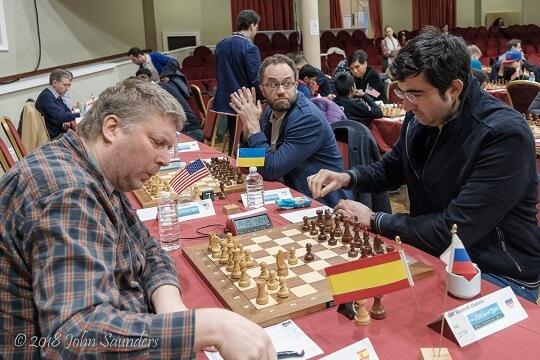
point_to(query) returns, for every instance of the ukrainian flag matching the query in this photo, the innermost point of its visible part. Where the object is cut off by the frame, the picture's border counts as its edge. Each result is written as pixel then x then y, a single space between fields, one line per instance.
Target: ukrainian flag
pixel 247 157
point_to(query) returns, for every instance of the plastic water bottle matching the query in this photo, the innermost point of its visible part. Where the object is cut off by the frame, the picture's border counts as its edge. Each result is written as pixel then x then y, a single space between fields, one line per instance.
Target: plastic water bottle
pixel 532 77
pixel 169 226
pixel 254 189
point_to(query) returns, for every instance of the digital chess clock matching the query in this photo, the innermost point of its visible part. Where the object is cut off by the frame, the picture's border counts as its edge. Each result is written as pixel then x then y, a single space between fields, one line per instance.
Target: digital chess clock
pixel 249 221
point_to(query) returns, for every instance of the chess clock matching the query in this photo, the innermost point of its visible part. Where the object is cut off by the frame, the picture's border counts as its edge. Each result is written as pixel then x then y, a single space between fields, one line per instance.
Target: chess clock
pixel 249 221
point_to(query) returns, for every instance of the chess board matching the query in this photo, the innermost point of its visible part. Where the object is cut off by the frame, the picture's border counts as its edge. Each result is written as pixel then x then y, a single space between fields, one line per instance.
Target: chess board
pixel 392 112
pixel 148 195
pixel 307 283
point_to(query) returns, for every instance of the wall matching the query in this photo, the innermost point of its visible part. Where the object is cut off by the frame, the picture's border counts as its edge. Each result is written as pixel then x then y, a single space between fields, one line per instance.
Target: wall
pixel 71 31
pixel 531 12
pixel 502 6
pixel 397 14
pixel 465 13
pixel 217 21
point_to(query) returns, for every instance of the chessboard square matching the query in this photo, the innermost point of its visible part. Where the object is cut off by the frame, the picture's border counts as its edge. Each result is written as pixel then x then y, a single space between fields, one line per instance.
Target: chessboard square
pixel 274 250
pixel 271 302
pixel 335 260
pixel 304 242
pixel 269 259
pixel 321 284
pixel 294 282
pixel 326 254
pixel 258 254
pixel 311 277
pixel 300 237
pixel 318 264
pixel 291 232
pixel 253 247
pixel 253 272
pixel 303 290
pixel 283 241
pixel 252 284
pixel 261 239
pixel 302 269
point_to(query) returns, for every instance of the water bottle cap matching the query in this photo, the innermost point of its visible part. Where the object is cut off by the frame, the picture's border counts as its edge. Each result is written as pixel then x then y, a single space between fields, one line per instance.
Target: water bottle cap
pixel 252 169
pixel 164 195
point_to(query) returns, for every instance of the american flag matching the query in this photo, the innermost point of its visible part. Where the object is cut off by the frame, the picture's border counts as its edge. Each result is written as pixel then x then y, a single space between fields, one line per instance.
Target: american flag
pixel 189 175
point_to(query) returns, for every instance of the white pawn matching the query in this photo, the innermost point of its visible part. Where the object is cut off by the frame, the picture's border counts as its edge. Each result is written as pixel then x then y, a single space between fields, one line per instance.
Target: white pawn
pixel 264 271
pixel 273 283
pixel 283 290
pixel 245 281
pixel 249 259
pixel 262 295
pixel 293 260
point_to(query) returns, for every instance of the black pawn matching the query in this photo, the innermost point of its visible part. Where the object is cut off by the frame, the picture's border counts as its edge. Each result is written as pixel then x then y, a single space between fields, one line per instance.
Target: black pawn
pixel 332 241
pixel 305 226
pixel 322 234
pixel 352 251
pixel 313 230
pixel 309 256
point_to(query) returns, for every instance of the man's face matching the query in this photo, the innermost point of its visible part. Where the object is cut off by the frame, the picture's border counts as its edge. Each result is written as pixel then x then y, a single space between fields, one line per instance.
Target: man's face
pixel 517 47
pixel 276 79
pixel 137 153
pixel 389 32
pixel 139 59
pixel 357 69
pixel 425 101
pixel 61 86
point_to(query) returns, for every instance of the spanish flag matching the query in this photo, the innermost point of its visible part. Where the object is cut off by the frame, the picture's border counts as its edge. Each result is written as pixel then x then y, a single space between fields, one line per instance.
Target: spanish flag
pixel 369 277
pixel 247 157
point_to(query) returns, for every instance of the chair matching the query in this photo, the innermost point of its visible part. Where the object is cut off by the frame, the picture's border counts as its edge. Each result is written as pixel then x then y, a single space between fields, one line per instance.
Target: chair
pixel 13 136
pixel 210 124
pixel 533 59
pixel 522 93
pixel 202 51
pixel 6 161
pixel 199 101
pixel 33 130
pixel 192 62
pixel 391 95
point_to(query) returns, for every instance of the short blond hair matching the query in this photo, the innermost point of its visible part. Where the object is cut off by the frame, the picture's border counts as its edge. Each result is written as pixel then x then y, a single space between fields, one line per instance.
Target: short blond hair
pixel 474 50
pixel 132 100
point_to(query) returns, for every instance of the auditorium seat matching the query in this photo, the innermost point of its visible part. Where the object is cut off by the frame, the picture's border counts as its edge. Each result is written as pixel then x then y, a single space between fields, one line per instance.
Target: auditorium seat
pixel 202 51
pixel 13 136
pixel 522 93
pixel 6 161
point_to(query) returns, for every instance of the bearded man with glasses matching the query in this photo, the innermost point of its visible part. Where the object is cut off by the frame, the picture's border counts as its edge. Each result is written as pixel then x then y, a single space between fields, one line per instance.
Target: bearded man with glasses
pixel 295 133
pixel 466 158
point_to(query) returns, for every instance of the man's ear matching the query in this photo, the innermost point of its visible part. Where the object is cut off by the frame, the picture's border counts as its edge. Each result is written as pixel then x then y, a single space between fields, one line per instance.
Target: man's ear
pixel 110 128
pixel 456 87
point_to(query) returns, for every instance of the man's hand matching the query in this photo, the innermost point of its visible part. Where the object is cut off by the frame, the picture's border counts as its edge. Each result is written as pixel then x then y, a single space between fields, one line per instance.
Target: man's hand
pixel 350 209
pixel 326 181
pixel 248 109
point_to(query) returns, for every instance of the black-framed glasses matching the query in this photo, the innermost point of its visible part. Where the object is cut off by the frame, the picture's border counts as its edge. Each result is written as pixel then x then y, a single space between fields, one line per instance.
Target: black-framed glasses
pixel 402 96
pixel 274 85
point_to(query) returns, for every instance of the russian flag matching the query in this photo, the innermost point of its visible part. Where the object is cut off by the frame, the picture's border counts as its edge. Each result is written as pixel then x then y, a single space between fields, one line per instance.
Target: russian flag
pixel 460 262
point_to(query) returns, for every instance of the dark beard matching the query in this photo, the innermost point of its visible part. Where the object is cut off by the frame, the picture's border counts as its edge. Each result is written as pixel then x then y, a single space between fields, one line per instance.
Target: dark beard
pixel 284 107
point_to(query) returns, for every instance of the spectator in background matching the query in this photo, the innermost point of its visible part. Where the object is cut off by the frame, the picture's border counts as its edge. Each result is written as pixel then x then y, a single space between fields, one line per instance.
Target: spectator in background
pixel 389 48
pixel 356 105
pixel 153 61
pixel 534 108
pixel 512 45
pixel 322 80
pixel 498 26
pixel 192 126
pixel 237 65
pixel 365 78
pixel 475 54
pixel 444 29
pixel 50 104
pixel 512 67
pixel 307 80
pixel 402 38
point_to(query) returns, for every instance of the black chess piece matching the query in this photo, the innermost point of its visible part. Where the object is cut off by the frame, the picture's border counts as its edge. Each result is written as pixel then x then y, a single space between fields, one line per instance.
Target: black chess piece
pixel 337 228
pixel 305 226
pixel 332 241
pixel 319 217
pixel 322 234
pixel 346 234
pixel 352 251
pixel 390 248
pixel 309 256
pixel 378 245
pixel 222 190
pixel 313 230
pixel 356 238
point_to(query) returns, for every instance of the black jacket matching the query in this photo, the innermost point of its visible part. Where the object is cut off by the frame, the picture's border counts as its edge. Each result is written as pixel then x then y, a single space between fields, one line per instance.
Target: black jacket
pixel 479 173
pixel 357 110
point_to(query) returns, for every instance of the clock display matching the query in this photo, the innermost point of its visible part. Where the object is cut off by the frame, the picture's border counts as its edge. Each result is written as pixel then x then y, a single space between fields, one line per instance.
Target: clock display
pixel 253 223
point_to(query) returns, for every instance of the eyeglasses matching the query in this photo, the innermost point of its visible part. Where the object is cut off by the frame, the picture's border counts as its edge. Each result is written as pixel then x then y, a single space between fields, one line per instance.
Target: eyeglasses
pixel 410 97
pixel 274 85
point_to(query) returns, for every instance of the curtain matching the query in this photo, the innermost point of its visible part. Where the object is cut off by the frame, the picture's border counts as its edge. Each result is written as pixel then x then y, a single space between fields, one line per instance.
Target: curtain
pixel 336 21
pixel 375 15
pixel 275 14
pixel 436 13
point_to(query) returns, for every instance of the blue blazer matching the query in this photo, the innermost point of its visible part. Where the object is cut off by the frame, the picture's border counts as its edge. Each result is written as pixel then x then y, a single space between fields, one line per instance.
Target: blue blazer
pixel 55 112
pixel 305 145
pixel 159 60
pixel 237 65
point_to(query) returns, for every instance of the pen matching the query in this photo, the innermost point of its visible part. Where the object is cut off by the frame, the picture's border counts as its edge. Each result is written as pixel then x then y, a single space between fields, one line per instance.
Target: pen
pixel 289 354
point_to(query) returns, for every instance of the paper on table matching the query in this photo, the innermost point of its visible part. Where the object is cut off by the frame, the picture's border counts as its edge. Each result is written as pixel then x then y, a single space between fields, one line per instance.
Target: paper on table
pixel 362 349
pixel 187 211
pixel 297 216
pixel 270 196
pixel 286 336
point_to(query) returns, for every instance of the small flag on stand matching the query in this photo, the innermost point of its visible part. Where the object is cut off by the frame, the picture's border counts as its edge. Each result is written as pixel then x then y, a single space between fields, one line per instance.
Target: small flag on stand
pixel 372 92
pixel 247 157
pixel 460 262
pixel 189 175
pixel 369 277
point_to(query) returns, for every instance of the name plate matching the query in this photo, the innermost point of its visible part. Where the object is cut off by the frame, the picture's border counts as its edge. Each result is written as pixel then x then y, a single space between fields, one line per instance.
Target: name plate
pixel 485 316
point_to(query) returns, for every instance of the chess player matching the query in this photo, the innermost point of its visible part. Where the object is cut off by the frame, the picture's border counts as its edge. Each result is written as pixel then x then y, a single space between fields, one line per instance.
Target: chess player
pixel 51 105
pixel 295 133
pixel 466 158
pixel 153 61
pixel 77 266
